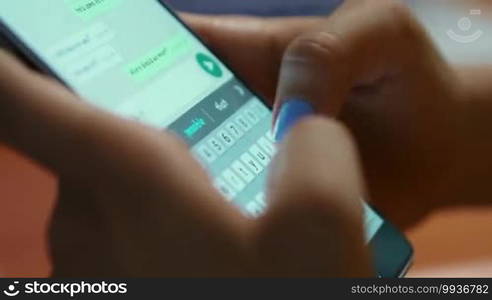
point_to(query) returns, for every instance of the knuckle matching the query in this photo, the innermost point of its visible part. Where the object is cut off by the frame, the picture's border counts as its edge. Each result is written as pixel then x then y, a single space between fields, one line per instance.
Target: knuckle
pixel 392 19
pixel 330 129
pixel 310 123
pixel 396 8
pixel 399 16
pixel 328 199
pixel 321 46
pixel 316 123
pixel 314 189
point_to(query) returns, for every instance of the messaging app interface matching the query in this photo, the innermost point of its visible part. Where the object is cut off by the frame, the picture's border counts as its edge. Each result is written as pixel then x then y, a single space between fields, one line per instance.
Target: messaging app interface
pixel 133 58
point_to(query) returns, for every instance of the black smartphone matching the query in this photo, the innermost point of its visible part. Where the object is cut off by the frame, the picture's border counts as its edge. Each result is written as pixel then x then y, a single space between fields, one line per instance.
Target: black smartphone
pixel 136 59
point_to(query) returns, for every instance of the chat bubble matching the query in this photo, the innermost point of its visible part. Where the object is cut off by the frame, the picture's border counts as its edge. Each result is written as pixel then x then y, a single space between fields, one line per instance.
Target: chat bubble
pixel 94 64
pixel 81 43
pixel 160 58
pixel 89 9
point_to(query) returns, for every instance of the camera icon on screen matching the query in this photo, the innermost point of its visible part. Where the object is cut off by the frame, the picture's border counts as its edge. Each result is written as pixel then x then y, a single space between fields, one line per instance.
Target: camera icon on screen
pixel 465 25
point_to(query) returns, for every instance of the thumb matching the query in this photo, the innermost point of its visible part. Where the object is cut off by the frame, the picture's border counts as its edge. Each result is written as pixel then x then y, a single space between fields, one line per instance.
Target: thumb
pixel 314 224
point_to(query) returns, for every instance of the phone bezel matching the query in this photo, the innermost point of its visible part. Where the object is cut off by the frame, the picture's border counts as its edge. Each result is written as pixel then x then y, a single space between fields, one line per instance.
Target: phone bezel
pixel 392 252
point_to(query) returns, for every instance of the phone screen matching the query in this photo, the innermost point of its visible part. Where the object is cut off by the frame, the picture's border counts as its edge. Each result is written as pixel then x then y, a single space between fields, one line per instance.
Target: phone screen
pixel 134 58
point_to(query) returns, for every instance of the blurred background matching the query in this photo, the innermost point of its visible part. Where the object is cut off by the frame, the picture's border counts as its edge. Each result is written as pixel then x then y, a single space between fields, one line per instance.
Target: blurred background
pixel 452 243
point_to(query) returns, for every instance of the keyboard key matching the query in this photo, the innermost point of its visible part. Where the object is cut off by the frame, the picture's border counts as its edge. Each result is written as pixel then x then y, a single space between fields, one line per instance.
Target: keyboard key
pixel 267 146
pixel 261 200
pixel 251 115
pixel 224 189
pixel 255 166
pixel 217 146
pixel 260 108
pixel 243 123
pixel 270 136
pixel 206 154
pixel 260 155
pixel 233 180
pixel 226 138
pixel 241 169
pixel 254 209
pixel 234 129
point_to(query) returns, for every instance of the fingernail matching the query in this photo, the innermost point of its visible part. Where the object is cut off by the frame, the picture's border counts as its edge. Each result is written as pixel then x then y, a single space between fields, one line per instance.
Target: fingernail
pixel 290 113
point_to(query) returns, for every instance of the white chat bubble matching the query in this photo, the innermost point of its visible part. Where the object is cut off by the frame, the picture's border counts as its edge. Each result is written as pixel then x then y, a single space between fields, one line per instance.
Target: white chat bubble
pixel 95 63
pixel 82 43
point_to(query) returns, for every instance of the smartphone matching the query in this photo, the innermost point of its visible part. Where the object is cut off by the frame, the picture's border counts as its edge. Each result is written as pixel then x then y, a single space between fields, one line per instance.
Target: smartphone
pixel 135 58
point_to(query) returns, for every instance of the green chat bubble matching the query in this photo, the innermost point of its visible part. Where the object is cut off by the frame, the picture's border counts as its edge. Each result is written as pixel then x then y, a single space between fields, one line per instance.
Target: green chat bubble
pixel 159 58
pixel 89 9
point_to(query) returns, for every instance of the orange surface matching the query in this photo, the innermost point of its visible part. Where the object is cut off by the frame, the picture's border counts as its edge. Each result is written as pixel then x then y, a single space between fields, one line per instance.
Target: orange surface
pixel 449 244
pixel 26 195
pixel 454 243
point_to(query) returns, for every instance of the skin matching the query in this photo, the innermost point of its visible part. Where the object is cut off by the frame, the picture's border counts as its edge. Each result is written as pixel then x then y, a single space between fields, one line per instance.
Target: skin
pixel 125 210
pixel 418 121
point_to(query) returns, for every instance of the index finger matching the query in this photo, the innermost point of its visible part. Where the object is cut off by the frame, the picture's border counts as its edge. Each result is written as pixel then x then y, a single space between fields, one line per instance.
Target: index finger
pixel 363 42
pixel 314 224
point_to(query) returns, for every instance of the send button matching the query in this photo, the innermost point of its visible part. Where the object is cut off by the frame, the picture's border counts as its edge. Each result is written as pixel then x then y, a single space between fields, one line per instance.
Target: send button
pixel 209 65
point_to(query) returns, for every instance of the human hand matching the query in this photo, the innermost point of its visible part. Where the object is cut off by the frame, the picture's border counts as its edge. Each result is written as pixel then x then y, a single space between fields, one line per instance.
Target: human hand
pixel 133 202
pixel 253 46
pixel 405 105
pixel 373 65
